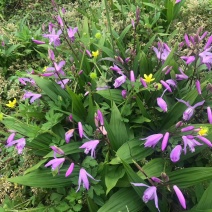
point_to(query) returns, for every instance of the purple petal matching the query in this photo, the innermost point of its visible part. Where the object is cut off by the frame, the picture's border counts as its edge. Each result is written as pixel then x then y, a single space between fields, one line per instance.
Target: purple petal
pixel 180 196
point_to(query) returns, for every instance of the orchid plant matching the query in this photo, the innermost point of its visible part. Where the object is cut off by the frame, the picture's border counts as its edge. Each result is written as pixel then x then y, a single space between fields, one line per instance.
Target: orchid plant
pixel 130 112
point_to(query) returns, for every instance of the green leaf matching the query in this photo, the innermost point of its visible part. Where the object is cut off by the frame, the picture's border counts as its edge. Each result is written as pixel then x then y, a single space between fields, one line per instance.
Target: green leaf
pixel 51 88
pixel 205 203
pixel 187 177
pixel 123 200
pixel 131 150
pixel 153 168
pixel 43 178
pixel 117 127
pixel 113 174
pixel 35 166
pixel 11 49
pixel 77 105
pixel 112 95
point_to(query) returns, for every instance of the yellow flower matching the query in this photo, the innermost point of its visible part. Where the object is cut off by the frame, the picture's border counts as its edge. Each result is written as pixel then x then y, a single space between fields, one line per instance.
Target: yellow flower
pixel 12 104
pixel 203 131
pixel 93 75
pixel 98 35
pixel 44 69
pixel 1 116
pixel 95 54
pixel 148 78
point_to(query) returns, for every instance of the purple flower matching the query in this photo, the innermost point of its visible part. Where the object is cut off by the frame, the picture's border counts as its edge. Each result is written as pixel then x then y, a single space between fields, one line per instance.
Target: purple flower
pixel 63 82
pixel 180 196
pixel 181 76
pixel 207 45
pixel 187 40
pixel 117 69
pixel 177 1
pixel 166 85
pixel 205 140
pixel 83 179
pixel 155 179
pixel 206 57
pixel 80 128
pixel 54 37
pixel 60 21
pixel 143 82
pixel 20 143
pixel 119 81
pixel 162 52
pixel 90 146
pixel 100 117
pixel 149 194
pixel 51 55
pixel 132 76
pixel 162 104
pixel 38 42
pixel 68 135
pixel 57 150
pixel 188 113
pixel 186 129
pixel 70 170
pixel 56 69
pixel 88 53
pixel 209 115
pixel 171 82
pixel 29 94
pixel 152 140
pixel 198 86
pixel 167 69
pixel 165 141
pixel 175 153
pixel 23 81
pixel 188 59
pixel 124 93
pixel 190 142
pixel 56 163
pixel 71 33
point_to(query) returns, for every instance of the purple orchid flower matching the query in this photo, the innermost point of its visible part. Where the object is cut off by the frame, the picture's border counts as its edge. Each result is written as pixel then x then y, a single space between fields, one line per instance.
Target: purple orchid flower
pixel 188 59
pixel 19 143
pixel 188 113
pixel 180 196
pixel 132 76
pixel 209 115
pixel 198 86
pixel 83 179
pixel 80 129
pixel 68 135
pixel 149 194
pixel 181 76
pixel 90 146
pixel 190 142
pixel 166 85
pixel 162 104
pixel 57 150
pixel 175 153
pixel 29 94
pixel 119 81
pixel 56 70
pixel 162 52
pixel 59 20
pixel 117 69
pixel 71 33
pixel 70 170
pixel 165 141
pixel 188 128
pixel 38 42
pixel 207 45
pixel 206 57
pixel 124 93
pixel 23 81
pixel 55 163
pixel 152 140
pixel 205 140
pixel 54 37
pixel 63 82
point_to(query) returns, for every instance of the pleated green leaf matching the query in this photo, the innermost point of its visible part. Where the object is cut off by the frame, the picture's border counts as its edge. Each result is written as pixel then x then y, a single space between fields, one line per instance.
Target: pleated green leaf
pixel 112 95
pixel 131 150
pixel 43 178
pixel 125 199
pixel 190 176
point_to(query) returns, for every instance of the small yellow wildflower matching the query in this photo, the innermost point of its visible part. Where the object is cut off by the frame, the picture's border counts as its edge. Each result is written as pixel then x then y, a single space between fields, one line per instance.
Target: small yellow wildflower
pixel 1 116
pixel 95 54
pixel 12 104
pixel 98 35
pixel 148 78
pixel 203 131
pixel 93 75
pixel 44 69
